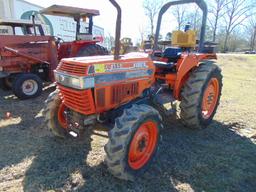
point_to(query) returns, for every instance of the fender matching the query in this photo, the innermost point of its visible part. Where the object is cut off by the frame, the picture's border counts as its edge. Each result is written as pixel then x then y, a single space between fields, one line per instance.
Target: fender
pixel 187 63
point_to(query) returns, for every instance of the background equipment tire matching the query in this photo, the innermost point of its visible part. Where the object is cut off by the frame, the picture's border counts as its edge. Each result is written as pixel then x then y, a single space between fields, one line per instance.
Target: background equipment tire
pixel 27 85
pixel 2 84
pixel 92 50
pixel 200 96
pixel 6 83
pixel 54 115
pixel 133 141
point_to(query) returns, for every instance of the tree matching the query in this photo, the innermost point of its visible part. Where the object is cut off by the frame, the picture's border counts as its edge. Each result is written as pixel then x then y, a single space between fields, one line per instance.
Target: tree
pixel 253 38
pixel 109 41
pixel 152 8
pixel 251 30
pixel 142 32
pixel 194 18
pixel 217 11
pixel 236 12
pixel 179 13
pixel 237 42
pixel 168 36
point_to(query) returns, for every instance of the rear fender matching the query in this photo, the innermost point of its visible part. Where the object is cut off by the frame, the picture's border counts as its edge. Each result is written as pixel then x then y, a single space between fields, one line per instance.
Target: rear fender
pixel 184 66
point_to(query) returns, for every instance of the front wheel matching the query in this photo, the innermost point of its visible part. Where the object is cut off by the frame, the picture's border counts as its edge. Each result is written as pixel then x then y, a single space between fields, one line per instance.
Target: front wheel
pixel 133 141
pixel 54 113
pixel 201 96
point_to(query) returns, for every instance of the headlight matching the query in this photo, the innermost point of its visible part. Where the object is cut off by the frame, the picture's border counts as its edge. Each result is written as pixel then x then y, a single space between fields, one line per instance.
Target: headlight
pixel 74 81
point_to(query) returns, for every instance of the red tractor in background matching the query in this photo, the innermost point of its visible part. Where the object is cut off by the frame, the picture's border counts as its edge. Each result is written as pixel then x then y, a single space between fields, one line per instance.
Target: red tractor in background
pixel 84 44
pixel 28 60
pixel 134 95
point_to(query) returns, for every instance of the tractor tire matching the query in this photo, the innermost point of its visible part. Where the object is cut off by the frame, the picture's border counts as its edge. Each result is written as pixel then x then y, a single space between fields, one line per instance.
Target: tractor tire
pixel 27 85
pixel 133 141
pixel 200 96
pixel 52 114
pixel 6 83
pixel 2 86
pixel 92 50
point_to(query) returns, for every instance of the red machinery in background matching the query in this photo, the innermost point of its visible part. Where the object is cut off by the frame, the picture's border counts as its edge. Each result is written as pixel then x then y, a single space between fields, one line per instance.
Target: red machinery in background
pixel 84 43
pixel 28 60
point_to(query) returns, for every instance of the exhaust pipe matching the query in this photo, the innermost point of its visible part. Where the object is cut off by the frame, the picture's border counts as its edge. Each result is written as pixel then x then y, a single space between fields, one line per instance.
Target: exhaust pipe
pixel 118 28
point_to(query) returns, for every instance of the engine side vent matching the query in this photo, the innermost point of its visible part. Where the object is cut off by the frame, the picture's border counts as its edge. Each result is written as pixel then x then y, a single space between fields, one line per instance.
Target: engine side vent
pixel 100 97
pixel 123 91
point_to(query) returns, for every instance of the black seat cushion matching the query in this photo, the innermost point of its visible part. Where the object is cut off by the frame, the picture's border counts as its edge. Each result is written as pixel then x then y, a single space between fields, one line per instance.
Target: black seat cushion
pixel 173 54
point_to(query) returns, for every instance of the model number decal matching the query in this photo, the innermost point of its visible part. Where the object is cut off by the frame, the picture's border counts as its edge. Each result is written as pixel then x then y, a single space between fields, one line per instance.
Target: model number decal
pixel 140 65
pixel 113 67
pixel 103 68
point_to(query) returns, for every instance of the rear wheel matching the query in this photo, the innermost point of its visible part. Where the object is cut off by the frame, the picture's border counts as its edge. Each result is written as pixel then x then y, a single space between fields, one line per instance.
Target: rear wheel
pixel 201 96
pixel 26 86
pixel 54 113
pixel 133 141
pixel 92 50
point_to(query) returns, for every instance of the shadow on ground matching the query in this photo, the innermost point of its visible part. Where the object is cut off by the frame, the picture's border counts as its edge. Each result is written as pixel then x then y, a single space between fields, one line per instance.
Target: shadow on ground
pixel 215 159
pixel 17 135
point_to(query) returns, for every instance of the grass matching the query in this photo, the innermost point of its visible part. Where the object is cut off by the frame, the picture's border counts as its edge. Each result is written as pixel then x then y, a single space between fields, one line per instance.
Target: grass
pixel 220 158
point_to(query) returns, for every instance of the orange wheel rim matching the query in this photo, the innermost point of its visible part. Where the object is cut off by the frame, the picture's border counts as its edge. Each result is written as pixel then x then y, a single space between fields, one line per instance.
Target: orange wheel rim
pixel 143 145
pixel 61 115
pixel 210 98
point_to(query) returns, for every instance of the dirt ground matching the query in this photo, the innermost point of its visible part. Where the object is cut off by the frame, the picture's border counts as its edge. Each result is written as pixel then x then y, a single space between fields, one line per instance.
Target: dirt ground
pixel 219 158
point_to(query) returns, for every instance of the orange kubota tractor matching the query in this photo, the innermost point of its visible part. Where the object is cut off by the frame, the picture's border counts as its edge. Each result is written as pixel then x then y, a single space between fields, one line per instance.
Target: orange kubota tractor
pixel 132 95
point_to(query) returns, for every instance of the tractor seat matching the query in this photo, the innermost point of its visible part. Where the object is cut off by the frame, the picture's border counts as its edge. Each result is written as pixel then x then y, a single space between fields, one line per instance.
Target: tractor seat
pixel 172 54
pixel 164 65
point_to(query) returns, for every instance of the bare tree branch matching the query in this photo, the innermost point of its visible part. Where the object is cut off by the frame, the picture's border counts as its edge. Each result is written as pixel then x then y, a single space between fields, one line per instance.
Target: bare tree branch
pixel 237 11
pixel 179 13
pixel 217 10
pixel 151 8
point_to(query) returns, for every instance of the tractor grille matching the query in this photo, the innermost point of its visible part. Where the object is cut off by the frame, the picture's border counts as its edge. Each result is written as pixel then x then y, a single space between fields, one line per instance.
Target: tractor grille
pixel 79 101
pixel 121 92
pixel 77 69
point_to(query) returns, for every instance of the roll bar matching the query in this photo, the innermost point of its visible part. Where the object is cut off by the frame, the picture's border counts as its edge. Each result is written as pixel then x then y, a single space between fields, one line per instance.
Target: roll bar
pixel 118 28
pixel 201 4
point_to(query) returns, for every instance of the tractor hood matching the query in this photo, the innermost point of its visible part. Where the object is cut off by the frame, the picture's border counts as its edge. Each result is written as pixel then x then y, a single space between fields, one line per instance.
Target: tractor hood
pixel 105 58
pixel 104 69
pixel 84 66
